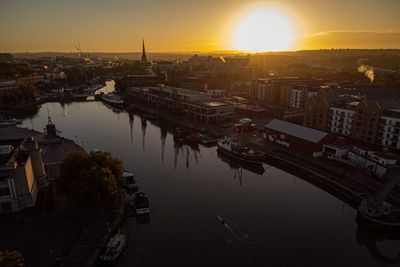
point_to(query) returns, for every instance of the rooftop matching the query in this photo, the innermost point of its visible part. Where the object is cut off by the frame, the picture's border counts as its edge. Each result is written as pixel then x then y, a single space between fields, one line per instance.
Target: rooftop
pixel 296 130
pixel 54 149
pixel 211 104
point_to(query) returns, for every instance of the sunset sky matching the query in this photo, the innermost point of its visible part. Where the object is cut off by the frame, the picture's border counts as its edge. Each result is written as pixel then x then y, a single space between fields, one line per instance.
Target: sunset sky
pixel 206 25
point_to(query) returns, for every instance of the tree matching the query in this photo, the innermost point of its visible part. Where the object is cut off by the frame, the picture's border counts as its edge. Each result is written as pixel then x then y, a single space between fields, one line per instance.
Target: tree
pixel 11 258
pixel 90 178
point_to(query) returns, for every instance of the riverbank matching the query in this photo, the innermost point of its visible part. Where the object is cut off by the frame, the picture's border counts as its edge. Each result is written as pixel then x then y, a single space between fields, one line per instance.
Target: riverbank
pixel 342 181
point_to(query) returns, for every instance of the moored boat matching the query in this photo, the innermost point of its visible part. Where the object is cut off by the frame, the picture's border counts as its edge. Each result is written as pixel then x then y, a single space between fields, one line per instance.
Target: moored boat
pixel 142 205
pixel 186 136
pixel 208 140
pixel 379 214
pixel 8 122
pixel 237 151
pixel 129 180
pixel 113 248
pixel 113 99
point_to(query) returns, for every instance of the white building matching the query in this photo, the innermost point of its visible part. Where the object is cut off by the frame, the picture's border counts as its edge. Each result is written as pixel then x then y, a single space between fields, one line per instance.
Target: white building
pixel 341 120
pixel 390 129
pixel 377 163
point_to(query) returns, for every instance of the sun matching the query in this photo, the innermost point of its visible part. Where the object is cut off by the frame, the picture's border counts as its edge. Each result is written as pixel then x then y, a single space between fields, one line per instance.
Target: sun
pixel 263 29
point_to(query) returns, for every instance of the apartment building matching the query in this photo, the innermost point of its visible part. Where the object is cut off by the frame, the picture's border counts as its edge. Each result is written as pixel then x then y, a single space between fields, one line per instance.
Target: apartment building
pixel 389 129
pixel 374 121
pixel 284 93
pixel 190 104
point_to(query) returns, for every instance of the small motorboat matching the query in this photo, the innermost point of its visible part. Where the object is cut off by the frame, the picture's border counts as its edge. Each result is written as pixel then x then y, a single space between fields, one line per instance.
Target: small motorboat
pixel 113 99
pixel 208 140
pixel 142 205
pixel 129 180
pixel 114 247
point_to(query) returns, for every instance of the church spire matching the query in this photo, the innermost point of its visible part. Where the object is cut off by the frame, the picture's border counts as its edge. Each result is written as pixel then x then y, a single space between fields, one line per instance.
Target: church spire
pixel 144 57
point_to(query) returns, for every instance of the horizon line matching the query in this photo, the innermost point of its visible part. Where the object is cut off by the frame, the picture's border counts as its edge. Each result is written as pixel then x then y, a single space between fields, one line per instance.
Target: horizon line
pixel 198 52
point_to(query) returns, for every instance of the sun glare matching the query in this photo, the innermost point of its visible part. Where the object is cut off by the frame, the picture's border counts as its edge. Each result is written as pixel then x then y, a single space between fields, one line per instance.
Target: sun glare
pixel 263 29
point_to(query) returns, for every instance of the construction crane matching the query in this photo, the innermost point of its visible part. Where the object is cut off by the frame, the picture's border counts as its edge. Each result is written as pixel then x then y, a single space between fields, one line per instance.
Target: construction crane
pixel 78 47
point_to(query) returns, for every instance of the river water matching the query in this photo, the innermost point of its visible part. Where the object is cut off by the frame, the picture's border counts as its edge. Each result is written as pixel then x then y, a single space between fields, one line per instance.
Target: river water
pixel 274 218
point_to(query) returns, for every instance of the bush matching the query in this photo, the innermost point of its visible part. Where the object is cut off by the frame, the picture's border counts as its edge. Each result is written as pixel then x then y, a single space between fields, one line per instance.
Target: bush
pixel 90 178
pixel 11 258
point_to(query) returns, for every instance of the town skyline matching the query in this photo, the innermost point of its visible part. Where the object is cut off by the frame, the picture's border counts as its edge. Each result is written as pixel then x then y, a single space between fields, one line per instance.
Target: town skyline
pixel 102 26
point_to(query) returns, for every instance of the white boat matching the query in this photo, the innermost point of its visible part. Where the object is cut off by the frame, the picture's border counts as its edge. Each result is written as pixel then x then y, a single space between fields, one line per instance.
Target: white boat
pixel 141 204
pixel 94 88
pixel 237 151
pixel 112 99
pixel 206 139
pixel 114 247
pixel 129 180
pixel 8 122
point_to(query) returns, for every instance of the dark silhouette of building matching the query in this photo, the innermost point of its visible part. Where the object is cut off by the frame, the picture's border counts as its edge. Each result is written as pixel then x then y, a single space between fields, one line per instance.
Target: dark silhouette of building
pixel 144 57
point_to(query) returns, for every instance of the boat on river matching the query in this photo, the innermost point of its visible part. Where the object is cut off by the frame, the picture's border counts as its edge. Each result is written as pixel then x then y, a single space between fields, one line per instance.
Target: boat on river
pixel 114 248
pixel 240 152
pixel 129 180
pixel 378 214
pixel 113 99
pixel 186 136
pixel 208 140
pixel 142 205
pixel 10 122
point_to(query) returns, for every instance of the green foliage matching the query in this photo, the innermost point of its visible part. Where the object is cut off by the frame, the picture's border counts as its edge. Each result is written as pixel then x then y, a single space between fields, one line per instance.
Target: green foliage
pixel 6 57
pixel 76 75
pixel 12 70
pixel 90 178
pixel 24 93
pixel 11 258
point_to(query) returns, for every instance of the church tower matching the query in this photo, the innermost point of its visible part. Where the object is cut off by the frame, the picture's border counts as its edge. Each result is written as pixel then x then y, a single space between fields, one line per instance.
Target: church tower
pixel 144 57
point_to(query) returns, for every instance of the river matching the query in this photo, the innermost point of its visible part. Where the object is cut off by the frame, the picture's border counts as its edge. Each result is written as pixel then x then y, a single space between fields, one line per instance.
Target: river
pixel 274 217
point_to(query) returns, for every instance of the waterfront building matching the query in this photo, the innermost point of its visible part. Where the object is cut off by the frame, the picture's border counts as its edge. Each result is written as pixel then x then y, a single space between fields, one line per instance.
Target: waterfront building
pixel 192 105
pixel 373 162
pixel 297 137
pixel 389 128
pixel 284 93
pixel 22 174
pixel 375 121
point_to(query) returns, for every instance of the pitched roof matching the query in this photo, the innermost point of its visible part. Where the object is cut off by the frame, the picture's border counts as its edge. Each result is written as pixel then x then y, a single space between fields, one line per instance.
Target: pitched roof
pixel 296 130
